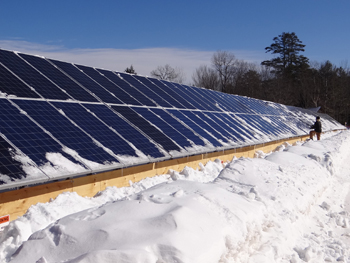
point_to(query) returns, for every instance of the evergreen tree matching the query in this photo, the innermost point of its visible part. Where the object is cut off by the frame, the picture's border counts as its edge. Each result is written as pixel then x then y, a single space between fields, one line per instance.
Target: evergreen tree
pixel 288 61
pixel 130 70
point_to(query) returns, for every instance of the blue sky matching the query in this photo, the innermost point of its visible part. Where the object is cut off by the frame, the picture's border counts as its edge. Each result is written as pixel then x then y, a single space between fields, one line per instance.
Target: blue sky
pixel 184 34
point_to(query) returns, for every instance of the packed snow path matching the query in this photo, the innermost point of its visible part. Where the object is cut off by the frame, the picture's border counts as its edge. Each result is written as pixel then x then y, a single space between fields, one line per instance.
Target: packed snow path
pixel 292 205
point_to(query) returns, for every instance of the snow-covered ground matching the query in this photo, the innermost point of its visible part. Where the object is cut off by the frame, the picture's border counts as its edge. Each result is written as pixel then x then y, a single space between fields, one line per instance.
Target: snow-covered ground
pixel 292 205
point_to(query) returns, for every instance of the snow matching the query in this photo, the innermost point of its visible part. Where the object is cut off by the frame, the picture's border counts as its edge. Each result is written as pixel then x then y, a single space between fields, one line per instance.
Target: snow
pixel 61 164
pixel 291 205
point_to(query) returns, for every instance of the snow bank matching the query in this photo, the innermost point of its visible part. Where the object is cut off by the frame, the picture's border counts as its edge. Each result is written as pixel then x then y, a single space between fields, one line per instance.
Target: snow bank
pixel 291 205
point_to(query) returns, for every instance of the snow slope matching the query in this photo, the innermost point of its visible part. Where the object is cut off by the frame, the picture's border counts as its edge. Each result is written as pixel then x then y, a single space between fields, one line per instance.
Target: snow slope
pixel 292 205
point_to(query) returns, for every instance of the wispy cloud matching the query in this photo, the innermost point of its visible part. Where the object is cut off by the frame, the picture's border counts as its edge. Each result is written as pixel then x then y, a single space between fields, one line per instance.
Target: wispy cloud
pixel 143 60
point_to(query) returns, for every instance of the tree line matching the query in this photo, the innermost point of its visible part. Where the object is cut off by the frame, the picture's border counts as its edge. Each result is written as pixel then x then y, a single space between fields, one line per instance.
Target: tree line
pixel 289 78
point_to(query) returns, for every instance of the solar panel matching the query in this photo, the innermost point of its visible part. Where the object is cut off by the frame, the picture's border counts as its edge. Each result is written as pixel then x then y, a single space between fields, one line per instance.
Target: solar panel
pixel 244 130
pixel 96 129
pixel 218 125
pixel 10 168
pixel 127 88
pixel 65 83
pixel 25 134
pixel 258 108
pixel 196 128
pixel 170 101
pixel 216 99
pixel 183 92
pixel 226 119
pixel 282 126
pixel 125 129
pixel 69 134
pixel 115 91
pixel 263 107
pixel 145 90
pixel 11 85
pixel 147 128
pixel 30 139
pixel 188 133
pixel 86 82
pixel 240 104
pixel 59 118
pixel 198 98
pixel 170 90
pixel 165 127
pixel 271 121
pixel 202 96
pixel 205 123
pixel 258 123
pixel 32 77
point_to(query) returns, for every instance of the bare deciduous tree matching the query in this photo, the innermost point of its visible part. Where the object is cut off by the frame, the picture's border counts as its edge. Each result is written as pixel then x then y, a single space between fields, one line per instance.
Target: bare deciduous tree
pixel 223 62
pixel 168 73
pixel 206 77
pixel 225 75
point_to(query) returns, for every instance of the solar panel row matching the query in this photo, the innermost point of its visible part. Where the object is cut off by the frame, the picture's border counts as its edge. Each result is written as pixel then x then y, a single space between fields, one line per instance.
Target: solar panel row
pixel 59 119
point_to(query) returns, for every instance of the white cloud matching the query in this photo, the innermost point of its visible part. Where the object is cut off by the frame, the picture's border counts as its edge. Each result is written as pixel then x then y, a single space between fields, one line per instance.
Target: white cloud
pixel 143 60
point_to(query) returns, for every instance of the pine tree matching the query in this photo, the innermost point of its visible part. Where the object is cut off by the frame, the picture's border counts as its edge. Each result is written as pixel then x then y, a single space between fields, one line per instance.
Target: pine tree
pixel 289 62
pixel 130 70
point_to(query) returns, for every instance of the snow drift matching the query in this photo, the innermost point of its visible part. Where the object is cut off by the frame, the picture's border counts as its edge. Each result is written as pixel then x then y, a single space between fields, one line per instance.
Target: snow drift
pixel 287 206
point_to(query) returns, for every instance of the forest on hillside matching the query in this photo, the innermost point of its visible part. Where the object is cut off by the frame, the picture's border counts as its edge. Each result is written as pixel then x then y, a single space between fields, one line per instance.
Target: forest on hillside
pixel 288 78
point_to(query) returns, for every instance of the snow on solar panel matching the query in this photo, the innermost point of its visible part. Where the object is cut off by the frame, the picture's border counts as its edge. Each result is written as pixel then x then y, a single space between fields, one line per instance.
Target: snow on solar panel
pixel 198 127
pixel 60 120
pixel 106 137
pixel 221 119
pixel 208 125
pixel 151 130
pixel 218 125
pixel 126 130
pixel 189 134
pixel 67 133
pixel 203 96
pixel 165 127
pixel 32 140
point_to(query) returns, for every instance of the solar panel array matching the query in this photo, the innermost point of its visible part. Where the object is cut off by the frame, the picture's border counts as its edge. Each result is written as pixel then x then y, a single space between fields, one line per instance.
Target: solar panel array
pixel 59 119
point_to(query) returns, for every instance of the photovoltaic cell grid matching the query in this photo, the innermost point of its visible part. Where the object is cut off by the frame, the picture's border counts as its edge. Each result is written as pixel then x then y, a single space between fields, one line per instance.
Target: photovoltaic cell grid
pixel 164 126
pixel 66 84
pixel 126 130
pixel 14 86
pixel 25 134
pixel 179 127
pixel 146 127
pixel 56 115
pixel 127 88
pixel 65 131
pixel 10 168
pixel 33 78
